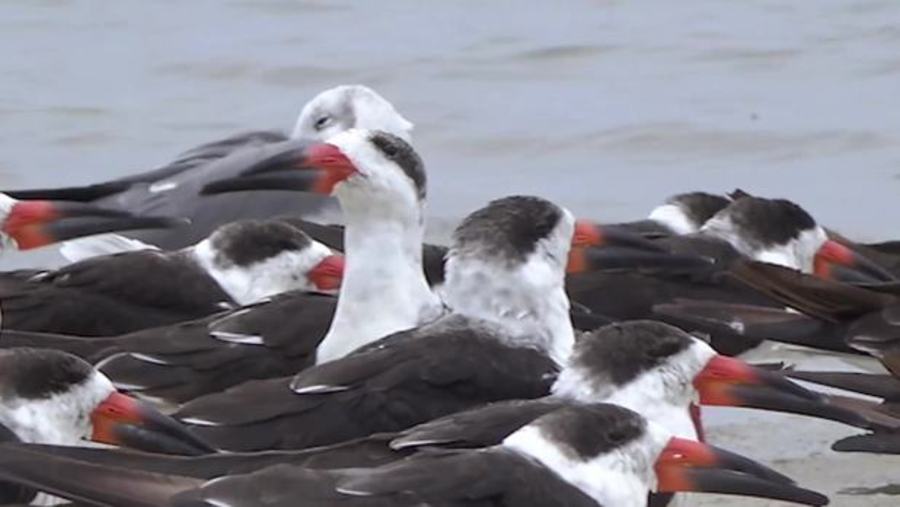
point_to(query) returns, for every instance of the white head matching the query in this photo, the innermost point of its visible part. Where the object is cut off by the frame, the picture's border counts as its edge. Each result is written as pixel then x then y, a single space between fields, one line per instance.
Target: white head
pixel 686 213
pixel 645 365
pixel 507 264
pixel 606 451
pixel 349 106
pixel 769 230
pixel 51 397
pixel 48 397
pixel 380 182
pixel 387 178
pixel 252 260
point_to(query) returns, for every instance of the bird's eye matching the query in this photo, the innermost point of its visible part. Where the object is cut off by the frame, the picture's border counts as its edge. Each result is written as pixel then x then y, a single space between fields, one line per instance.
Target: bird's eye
pixel 390 150
pixel 321 122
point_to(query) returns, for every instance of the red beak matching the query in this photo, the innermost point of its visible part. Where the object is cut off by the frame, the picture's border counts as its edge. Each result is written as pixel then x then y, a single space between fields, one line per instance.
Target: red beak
pixel 124 421
pixel 834 261
pixel 316 167
pixel 328 273
pixel 38 223
pixel 597 248
pixel 685 465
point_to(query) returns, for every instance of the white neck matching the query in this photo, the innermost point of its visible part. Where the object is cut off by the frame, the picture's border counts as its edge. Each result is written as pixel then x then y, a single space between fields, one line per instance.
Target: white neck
pixel 621 478
pixel 384 288
pixel 662 395
pixel 61 419
pixel 528 301
pixel 797 253
pixel 673 217
pixel 266 278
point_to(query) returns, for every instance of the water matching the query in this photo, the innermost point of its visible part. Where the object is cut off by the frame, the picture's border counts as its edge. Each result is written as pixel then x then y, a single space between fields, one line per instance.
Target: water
pixel 606 107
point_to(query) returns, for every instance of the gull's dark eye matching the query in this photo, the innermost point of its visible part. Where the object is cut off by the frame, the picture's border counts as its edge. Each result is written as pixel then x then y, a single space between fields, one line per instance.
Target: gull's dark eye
pixel 321 122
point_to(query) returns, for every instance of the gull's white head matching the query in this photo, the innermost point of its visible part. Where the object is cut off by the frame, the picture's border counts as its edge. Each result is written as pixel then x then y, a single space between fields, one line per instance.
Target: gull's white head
pixel 346 107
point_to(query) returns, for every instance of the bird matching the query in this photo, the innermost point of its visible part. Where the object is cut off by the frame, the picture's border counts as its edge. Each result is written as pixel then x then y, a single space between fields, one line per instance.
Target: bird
pixel 749 228
pixel 240 263
pixel 508 331
pixel 594 454
pixel 683 213
pixel 172 190
pixel 173 364
pixel 26 224
pixel 52 397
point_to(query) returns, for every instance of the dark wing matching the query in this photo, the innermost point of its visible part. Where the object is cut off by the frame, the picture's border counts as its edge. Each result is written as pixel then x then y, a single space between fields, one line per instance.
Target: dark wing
pixel 493 477
pixel 754 324
pixel 178 363
pixel 824 299
pixel 176 191
pixel 474 479
pixel 11 492
pixel 882 386
pixel 51 309
pixel 405 379
pixel 482 426
pixel 145 278
pixel 111 295
pixel 89 483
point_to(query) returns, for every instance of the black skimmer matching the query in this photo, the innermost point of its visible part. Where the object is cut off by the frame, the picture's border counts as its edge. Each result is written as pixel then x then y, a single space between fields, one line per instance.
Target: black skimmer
pixel 591 455
pixel 240 263
pixel 769 230
pixel 174 364
pixel 508 332
pixel 27 224
pixel 680 214
pixel 56 398
pixel 172 190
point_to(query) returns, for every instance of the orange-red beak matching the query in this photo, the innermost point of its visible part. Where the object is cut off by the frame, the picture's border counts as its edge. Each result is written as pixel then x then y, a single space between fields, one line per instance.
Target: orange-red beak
pixel 328 273
pixel 726 381
pixel 595 247
pixel 124 421
pixel 835 261
pixel 685 465
pixel 38 223
pixel 316 167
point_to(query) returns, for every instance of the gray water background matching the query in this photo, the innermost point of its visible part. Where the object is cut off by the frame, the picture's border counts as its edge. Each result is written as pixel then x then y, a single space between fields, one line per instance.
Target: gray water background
pixel 606 107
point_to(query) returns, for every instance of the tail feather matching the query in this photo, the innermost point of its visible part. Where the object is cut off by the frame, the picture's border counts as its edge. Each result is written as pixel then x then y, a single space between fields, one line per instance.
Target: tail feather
pixel 88 483
pixel 882 386
pixel 757 322
pixel 814 296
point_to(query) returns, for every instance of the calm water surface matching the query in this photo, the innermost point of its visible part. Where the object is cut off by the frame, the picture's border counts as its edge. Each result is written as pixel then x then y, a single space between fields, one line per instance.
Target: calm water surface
pixel 606 107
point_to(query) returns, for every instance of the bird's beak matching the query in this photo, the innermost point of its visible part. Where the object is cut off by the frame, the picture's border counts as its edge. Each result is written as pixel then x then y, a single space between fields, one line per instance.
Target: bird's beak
pixel 314 168
pixel 835 261
pixel 328 273
pixel 595 247
pixel 124 421
pixel 685 465
pixel 38 223
pixel 726 381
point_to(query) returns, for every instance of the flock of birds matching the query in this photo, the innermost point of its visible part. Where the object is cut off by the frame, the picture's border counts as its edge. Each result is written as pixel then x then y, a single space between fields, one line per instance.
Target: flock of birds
pixel 224 351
